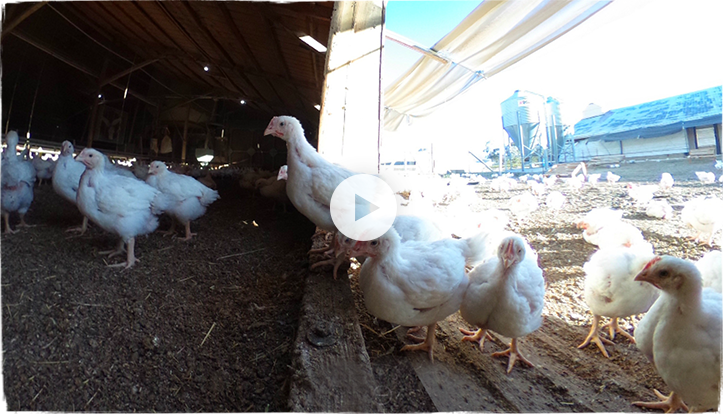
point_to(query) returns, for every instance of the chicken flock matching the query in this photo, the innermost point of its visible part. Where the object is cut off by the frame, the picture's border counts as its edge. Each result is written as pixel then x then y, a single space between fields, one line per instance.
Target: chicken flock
pixel 425 267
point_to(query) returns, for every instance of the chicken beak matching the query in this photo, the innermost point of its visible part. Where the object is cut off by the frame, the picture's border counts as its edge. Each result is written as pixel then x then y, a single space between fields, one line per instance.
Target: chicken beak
pixel 645 274
pixel 271 129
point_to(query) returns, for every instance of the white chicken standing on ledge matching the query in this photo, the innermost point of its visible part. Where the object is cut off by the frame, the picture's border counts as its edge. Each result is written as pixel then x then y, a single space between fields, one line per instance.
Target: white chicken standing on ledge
pixel 505 295
pixel 416 283
pixel 118 204
pixel 188 196
pixel 18 179
pixel 311 178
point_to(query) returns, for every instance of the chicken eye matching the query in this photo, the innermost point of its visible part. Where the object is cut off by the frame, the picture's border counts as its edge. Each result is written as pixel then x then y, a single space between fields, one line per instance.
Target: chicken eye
pixel 664 273
pixel 90 155
pixel 347 240
pixel 282 123
pixel 374 243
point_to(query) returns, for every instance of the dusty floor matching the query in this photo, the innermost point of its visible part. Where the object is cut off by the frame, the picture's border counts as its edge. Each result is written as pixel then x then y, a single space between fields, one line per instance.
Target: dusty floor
pixel 186 329
pixel 200 326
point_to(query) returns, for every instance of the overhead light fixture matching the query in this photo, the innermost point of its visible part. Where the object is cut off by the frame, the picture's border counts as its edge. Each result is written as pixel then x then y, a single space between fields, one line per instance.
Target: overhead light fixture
pixel 100 96
pixel 27 135
pixel 318 107
pixel 242 102
pixel 205 68
pixel 205 158
pixel 313 43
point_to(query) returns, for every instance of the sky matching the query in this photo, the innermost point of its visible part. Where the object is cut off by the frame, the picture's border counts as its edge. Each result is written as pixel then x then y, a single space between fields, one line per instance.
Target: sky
pixel 632 51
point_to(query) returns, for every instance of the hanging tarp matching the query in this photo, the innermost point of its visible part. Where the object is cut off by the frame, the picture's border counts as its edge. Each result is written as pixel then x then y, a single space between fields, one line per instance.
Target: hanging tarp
pixel 491 38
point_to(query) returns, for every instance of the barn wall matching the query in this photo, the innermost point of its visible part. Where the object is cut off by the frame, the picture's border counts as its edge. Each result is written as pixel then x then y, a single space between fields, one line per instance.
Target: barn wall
pixel 666 145
pixel 705 137
pixel 584 150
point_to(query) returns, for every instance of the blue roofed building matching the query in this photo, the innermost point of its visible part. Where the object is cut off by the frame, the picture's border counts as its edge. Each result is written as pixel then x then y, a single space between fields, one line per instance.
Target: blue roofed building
pixel 688 124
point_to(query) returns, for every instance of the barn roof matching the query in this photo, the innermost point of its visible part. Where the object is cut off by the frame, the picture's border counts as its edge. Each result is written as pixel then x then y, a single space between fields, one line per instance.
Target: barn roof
pixel 654 119
pixel 158 49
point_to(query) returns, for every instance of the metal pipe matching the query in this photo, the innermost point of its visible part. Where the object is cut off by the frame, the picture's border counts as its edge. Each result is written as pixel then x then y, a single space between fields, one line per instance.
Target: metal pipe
pixel 32 109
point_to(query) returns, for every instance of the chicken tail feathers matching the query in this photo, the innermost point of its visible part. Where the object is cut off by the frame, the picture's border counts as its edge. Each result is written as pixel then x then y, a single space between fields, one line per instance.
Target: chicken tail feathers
pixel 208 197
pixel 477 248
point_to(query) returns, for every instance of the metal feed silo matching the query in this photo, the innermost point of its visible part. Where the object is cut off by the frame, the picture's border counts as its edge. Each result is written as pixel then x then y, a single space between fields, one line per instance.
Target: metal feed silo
pixel 555 127
pixel 522 114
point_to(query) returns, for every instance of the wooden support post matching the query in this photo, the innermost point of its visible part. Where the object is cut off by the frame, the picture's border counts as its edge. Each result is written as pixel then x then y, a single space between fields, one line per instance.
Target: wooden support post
pixel 185 134
pixel 94 112
pixel 350 124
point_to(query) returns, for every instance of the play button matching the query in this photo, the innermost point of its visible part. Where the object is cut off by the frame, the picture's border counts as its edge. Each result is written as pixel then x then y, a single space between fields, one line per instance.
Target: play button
pixel 363 207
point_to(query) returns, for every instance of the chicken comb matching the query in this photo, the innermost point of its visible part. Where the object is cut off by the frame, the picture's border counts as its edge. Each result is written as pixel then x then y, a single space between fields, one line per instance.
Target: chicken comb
pixel 650 264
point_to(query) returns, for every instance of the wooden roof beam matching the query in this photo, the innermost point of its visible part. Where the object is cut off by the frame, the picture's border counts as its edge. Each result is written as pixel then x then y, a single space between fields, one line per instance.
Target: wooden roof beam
pixel 129 70
pixel 8 26
pixel 79 66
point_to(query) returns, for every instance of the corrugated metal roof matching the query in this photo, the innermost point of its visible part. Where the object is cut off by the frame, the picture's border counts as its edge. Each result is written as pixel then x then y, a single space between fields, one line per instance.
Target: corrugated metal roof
pixel 656 118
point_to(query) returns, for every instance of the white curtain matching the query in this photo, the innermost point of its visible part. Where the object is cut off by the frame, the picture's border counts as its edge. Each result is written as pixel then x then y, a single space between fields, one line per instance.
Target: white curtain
pixel 494 36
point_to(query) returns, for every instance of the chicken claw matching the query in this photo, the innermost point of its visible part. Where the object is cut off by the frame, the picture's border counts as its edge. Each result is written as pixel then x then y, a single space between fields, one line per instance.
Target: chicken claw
pixel 427 345
pixel 478 336
pixel 670 404
pixel 514 353
pixel 594 336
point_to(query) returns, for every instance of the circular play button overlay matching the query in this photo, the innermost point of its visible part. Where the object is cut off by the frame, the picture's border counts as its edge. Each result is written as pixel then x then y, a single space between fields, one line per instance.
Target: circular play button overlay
pixel 363 207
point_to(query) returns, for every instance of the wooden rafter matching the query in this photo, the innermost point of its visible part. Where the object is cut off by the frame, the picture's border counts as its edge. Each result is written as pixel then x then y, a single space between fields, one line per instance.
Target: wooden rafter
pixel 69 61
pixel 129 70
pixel 8 26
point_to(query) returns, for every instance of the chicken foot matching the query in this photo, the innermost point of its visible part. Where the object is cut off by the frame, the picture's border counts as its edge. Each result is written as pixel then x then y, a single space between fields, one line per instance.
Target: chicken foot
pixel 514 353
pixel 83 227
pixel 171 231
pixel 23 223
pixel 670 404
pixel 476 336
pixel 594 336
pixel 427 345
pixel 130 257
pixel 112 253
pixel 614 327
pixel 6 216
pixel 189 235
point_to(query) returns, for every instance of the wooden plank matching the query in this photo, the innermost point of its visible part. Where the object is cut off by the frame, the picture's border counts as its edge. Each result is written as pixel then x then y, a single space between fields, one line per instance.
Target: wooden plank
pixel 8 26
pixel 332 372
pixel 350 124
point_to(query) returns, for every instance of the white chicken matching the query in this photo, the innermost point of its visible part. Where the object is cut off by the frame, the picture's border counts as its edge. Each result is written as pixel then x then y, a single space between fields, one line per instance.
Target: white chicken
pixel 18 179
pixel 612 177
pixel 611 291
pixel 575 182
pixel 43 168
pixel 681 335
pixel 416 283
pixel 550 180
pixel 502 184
pixel 140 170
pixel 705 176
pixel 666 181
pixel 642 194
pixel 189 198
pixel 537 188
pixel 66 179
pixel 118 204
pixel 522 205
pixel 311 179
pixel 617 234
pixel 593 178
pixel 710 267
pixel 505 295
pixel 555 200
pixel 595 220
pixel 659 209
pixel 704 216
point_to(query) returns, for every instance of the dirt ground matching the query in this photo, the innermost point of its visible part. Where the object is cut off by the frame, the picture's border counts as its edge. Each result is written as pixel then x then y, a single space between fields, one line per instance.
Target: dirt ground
pixel 209 325
pixel 194 326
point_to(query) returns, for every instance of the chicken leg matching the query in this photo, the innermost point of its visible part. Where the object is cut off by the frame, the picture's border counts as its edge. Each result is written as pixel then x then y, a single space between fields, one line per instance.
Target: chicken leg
pixel 670 404
pixel 130 258
pixel 614 327
pixel 23 223
pixel 514 353
pixel 83 227
pixel 476 336
pixel 427 345
pixel 6 216
pixel 189 235
pixel 112 253
pixel 594 336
